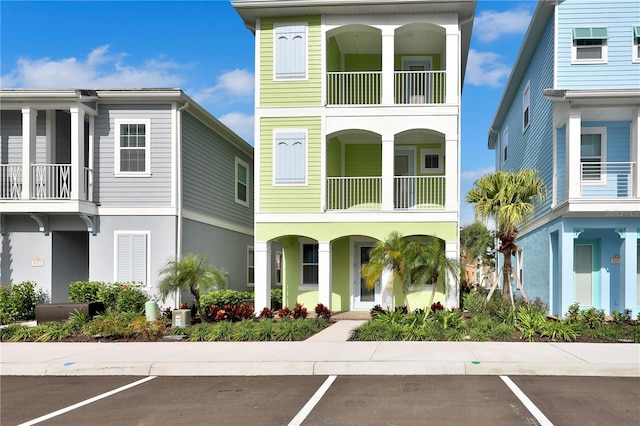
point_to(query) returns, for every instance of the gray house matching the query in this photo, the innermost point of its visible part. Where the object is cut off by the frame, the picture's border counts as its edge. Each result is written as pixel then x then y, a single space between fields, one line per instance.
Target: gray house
pixel 109 185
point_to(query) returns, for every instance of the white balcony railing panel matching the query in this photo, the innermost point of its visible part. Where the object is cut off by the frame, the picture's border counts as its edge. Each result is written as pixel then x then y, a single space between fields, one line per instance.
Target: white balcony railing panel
pixel 607 180
pixel 354 88
pixel 419 192
pixel 354 193
pixel 420 87
pixel 10 181
pixel 51 181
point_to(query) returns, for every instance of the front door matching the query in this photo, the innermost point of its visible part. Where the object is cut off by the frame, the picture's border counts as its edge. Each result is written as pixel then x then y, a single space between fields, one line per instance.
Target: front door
pixel 364 298
pixel 586 277
pixel 417 88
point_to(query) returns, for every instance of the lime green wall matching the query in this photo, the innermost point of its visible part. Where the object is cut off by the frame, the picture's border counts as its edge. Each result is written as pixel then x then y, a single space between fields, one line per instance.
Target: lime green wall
pixel 297 92
pixel 362 160
pixel 302 198
pixel 340 250
pixel 334 154
pixel 355 63
pixel 334 58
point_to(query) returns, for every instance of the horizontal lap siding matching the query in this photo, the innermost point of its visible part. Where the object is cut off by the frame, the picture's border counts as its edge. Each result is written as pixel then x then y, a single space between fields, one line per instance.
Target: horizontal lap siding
pixel 533 147
pixel 63 137
pixel 618 138
pixel 303 198
pixel 11 137
pixel 209 174
pixel 334 155
pixel 153 191
pixel 619 17
pixel 291 93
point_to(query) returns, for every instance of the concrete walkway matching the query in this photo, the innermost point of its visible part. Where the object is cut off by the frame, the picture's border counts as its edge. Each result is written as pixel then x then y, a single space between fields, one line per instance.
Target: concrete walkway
pixel 326 353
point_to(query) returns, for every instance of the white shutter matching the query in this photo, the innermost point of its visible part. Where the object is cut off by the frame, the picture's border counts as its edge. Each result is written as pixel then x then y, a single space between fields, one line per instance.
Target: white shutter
pixel 290 157
pixel 290 51
pixel 132 258
pixel 124 258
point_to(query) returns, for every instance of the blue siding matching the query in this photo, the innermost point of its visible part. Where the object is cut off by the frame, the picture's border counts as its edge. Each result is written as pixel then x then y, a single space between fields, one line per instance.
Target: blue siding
pixel 619 17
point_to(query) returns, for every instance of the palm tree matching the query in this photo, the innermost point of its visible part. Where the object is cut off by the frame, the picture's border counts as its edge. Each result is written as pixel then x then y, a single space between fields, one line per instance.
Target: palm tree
pixel 392 254
pixel 192 273
pixel 508 198
pixel 430 262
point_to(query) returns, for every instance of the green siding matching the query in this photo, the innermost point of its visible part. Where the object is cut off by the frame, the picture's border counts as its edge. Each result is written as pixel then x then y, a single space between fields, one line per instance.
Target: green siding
pixel 290 198
pixel 334 154
pixel 297 92
pixel 355 63
pixel 334 58
pixel 363 160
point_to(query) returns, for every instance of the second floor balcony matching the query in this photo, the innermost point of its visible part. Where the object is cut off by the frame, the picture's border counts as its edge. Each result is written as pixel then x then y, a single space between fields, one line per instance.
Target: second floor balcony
pixel 48 182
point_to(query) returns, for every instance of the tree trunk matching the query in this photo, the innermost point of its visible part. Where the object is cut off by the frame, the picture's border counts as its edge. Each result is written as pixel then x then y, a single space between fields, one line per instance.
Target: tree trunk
pixel 506 276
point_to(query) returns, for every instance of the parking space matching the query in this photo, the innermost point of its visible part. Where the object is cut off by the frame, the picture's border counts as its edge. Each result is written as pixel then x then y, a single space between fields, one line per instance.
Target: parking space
pixel 349 400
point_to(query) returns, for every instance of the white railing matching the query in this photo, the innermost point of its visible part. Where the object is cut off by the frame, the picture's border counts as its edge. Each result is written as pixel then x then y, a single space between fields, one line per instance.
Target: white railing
pixel 353 88
pixel 419 192
pixel 10 181
pixel 606 180
pixel 420 87
pixel 88 184
pixel 51 181
pixel 356 193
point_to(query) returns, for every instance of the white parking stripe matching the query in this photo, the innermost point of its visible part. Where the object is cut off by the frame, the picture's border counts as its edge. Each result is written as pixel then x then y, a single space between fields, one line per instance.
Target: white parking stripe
pixel 304 412
pixel 86 402
pixel 540 417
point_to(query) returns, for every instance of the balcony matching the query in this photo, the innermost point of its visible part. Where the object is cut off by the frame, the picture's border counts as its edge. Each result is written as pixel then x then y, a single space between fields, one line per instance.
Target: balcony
pixel 365 193
pixel 48 182
pixel 607 180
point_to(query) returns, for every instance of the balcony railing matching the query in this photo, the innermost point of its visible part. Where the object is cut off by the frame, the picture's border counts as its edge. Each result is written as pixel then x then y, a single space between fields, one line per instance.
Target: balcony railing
pixel 353 88
pixel 10 181
pixel 365 193
pixel 420 87
pixel 606 180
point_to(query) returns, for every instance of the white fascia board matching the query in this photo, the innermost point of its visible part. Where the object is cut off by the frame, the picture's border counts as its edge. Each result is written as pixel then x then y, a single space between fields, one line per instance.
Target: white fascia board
pixel 46 207
pixel 358 217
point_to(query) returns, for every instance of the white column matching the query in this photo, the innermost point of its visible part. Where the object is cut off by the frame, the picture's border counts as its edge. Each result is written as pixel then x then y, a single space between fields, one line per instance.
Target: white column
pixel 388 155
pixel 386 290
pixel 573 153
pixel 324 273
pixel 91 155
pixel 29 117
pixel 388 65
pixel 629 272
pixel 262 275
pixel 452 64
pixel 452 291
pixel 77 153
pixel 452 186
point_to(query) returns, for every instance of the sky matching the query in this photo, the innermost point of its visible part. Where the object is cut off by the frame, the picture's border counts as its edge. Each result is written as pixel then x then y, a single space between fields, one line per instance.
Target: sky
pixel 204 48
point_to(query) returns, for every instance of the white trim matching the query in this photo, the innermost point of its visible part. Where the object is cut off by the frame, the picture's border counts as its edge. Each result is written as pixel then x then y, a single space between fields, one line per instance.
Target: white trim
pixel 504 145
pixel 430 151
pixel 602 131
pixel 236 181
pixel 635 46
pixel 302 242
pixel 306 50
pixel 117 233
pixel 137 211
pixel 525 106
pixel 405 216
pixel 603 56
pixel 279 131
pixel 249 250
pixel 147 147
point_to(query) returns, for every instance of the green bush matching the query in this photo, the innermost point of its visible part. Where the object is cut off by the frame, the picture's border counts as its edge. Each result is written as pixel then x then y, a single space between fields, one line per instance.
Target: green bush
pixel 18 301
pixel 84 291
pixel 276 298
pixel 119 297
pixel 224 297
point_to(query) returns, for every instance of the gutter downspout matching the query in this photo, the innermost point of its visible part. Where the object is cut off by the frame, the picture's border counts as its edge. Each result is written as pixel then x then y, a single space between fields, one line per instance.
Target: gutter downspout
pixel 179 188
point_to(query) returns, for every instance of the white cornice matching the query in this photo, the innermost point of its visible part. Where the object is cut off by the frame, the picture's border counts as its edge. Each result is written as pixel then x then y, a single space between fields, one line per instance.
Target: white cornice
pixel 358 217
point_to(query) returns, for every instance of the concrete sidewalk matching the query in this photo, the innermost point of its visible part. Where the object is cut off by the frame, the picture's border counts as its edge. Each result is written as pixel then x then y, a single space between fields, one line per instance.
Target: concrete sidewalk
pixel 326 353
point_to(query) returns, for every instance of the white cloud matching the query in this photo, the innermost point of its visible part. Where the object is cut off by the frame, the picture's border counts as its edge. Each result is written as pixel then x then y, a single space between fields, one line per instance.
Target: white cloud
pixel 490 25
pixel 486 69
pixel 100 69
pixel 232 86
pixel 241 124
pixel 473 175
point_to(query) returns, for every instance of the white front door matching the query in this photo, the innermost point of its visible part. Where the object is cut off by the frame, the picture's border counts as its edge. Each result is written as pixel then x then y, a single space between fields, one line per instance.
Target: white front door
pixel 364 298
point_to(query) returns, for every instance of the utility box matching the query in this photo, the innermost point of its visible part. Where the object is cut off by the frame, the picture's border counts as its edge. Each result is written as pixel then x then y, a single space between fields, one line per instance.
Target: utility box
pixel 180 317
pixel 60 311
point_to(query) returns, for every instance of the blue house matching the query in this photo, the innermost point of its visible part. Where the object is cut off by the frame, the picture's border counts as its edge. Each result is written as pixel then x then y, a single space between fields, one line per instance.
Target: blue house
pixel 571 109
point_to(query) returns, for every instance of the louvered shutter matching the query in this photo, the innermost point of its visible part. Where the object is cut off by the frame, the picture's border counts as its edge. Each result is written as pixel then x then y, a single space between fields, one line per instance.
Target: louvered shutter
pixel 290 51
pixel 290 161
pixel 132 258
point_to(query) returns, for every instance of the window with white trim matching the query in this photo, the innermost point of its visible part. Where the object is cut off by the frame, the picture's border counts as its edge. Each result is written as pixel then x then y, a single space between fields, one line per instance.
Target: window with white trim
pixel 278 268
pixel 132 147
pixel 132 257
pixel 526 107
pixel 290 51
pixel 290 157
pixel 589 45
pixel 431 160
pixel 593 149
pixel 309 264
pixel 251 279
pixel 635 43
pixel 242 182
pixel 505 145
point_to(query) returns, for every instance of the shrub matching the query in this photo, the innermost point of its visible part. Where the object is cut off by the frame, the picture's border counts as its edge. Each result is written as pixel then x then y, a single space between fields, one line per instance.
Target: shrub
pixel 119 297
pixel 84 291
pixel 561 330
pixel 299 312
pixel 224 297
pixel 284 312
pixel 266 313
pixel 230 312
pixel 375 311
pixel 591 318
pixel 18 301
pixel 276 298
pixel 437 307
pixel 323 312
pixel 530 322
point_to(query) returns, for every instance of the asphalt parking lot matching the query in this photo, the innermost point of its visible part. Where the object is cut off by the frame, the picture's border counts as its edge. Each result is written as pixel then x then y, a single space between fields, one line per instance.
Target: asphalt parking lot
pixel 320 400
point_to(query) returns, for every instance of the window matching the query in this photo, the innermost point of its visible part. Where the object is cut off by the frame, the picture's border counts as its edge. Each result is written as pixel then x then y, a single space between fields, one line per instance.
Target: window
pixel 132 257
pixel 290 157
pixel 250 267
pixel 526 107
pixel 278 268
pixel 309 264
pixel 242 182
pixel 290 51
pixel 589 45
pixel 592 154
pixel 505 144
pixel 636 44
pixel 432 160
pixel 132 147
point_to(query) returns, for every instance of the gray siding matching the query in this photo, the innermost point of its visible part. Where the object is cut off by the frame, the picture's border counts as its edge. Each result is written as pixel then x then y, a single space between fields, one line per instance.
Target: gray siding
pixel 41 137
pixel 10 137
pixel 209 174
pixel 117 191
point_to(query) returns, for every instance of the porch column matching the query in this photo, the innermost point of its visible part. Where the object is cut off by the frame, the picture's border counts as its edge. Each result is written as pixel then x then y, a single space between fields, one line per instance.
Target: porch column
pixel 567 295
pixel 451 186
pixel 77 154
pixel 452 65
pixel 29 117
pixel 262 275
pixel 92 120
pixel 635 152
pixel 573 154
pixel 387 174
pixel 324 273
pixel 386 291
pixel 452 292
pixel 388 77
pixel 629 271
